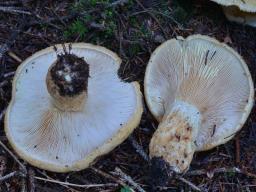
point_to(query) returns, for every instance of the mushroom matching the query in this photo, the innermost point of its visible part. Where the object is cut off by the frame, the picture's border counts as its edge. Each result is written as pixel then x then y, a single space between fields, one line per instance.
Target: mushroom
pixel 240 11
pixel 70 108
pixel 201 92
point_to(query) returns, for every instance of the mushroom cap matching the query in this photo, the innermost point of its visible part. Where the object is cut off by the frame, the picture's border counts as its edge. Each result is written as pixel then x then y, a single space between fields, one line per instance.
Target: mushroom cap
pixel 207 74
pixel 235 14
pixel 244 5
pixel 69 141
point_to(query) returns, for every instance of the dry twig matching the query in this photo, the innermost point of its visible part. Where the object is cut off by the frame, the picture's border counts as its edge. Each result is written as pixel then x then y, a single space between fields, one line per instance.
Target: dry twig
pixel 14 173
pixel 14 56
pixel 102 173
pixel 14 157
pixel 9 74
pixel 119 2
pixel 193 186
pixel 139 148
pixel 14 10
pixel 4 110
pixel 2 84
pixel 128 179
pixel 220 170
pixel 48 177
pixel 77 185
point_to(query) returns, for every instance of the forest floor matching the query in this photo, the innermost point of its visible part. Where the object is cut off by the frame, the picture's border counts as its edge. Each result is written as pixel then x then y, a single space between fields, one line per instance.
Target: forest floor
pixel 133 29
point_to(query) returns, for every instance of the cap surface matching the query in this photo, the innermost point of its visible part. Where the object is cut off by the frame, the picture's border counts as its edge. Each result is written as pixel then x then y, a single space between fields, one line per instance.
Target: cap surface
pixel 69 141
pixel 244 5
pixel 235 14
pixel 206 74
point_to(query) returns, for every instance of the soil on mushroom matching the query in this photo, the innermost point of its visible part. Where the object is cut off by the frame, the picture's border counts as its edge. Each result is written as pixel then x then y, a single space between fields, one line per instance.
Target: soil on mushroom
pixel 70 74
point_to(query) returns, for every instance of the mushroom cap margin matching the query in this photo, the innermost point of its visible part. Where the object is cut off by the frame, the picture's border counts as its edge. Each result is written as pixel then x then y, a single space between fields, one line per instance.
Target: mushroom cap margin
pixel 249 6
pixel 125 130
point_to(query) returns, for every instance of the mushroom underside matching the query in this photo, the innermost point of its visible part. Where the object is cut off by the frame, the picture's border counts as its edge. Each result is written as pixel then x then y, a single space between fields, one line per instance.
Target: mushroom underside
pixel 201 92
pixel 207 75
pixel 62 140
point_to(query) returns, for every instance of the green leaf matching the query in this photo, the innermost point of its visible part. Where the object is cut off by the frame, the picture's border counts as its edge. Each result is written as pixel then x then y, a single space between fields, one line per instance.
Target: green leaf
pixel 126 189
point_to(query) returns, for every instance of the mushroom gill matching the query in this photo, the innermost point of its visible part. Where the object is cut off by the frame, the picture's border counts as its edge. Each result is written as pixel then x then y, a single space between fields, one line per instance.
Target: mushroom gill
pixel 201 92
pixel 68 109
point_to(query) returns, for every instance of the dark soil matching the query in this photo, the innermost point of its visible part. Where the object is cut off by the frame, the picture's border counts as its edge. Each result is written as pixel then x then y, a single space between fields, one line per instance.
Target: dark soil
pixel 76 69
pixel 159 172
pixel 133 30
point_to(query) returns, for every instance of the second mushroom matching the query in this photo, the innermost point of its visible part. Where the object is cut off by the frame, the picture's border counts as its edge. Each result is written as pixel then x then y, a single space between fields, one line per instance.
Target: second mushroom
pixel 201 92
pixel 240 11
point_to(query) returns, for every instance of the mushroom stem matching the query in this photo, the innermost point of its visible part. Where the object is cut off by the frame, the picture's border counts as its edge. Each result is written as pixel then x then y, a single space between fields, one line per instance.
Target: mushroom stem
pixel 175 138
pixel 67 82
pixel 233 13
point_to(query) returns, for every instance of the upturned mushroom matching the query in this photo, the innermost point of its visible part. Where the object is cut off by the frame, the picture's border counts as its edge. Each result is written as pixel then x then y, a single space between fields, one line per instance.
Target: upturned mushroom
pixel 201 92
pixel 69 108
pixel 240 11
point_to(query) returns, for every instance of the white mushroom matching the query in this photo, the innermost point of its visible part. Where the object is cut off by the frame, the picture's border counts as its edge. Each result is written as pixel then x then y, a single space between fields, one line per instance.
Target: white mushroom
pixel 201 92
pixel 241 11
pixel 68 110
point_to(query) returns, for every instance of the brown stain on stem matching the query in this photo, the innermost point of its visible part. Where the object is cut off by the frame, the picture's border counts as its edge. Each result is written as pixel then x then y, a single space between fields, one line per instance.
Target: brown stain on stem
pixel 173 142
